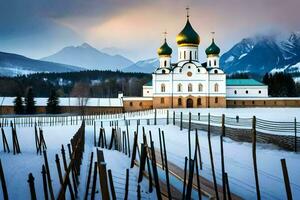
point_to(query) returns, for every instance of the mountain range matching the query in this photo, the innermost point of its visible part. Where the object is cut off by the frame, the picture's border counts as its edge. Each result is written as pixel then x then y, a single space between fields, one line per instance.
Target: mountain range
pixel 14 64
pixel 88 57
pixel 262 54
pixel 256 55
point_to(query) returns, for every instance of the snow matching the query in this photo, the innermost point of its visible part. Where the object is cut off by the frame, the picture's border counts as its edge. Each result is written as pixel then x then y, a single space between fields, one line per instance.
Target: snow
pixel 243 55
pixel 238 162
pixel 229 59
pixel 17 167
pixel 238 156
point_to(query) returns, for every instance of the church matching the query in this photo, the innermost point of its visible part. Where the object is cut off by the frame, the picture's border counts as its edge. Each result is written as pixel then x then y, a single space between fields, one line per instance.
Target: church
pixel 189 83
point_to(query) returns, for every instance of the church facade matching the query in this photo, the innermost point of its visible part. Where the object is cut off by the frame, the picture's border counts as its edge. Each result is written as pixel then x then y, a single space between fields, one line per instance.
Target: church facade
pixel 189 83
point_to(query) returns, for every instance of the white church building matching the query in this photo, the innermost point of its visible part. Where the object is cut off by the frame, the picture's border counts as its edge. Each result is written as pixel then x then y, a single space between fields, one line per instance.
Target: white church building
pixel 191 83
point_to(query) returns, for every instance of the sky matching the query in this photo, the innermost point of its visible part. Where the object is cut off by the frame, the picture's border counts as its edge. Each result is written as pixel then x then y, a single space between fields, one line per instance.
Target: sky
pixel 134 28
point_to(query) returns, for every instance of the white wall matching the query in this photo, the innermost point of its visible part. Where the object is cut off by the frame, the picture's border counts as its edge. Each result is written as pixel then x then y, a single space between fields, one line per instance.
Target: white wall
pixel 189 73
pixel 253 91
pixel 147 91
pixel 187 50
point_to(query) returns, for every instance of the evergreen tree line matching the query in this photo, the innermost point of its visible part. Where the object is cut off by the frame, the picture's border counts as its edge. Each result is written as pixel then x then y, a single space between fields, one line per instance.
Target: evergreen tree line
pixel 100 83
pixel 29 104
pixel 281 85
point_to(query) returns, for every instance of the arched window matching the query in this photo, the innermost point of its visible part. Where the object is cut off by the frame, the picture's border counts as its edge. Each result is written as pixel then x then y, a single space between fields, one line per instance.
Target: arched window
pixel 216 71
pixel 163 88
pixel 179 102
pixel 190 55
pixel 199 101
pixel 165 63
pixel 200 87
pixel 216 87
pixel 216 100
pixel 235 92
pixel 209 63
pixel 163 71
pixel 215 62
pixel 190 87
pixel 184 55
pixel 195 55
pixel 180 55
pixel 179 87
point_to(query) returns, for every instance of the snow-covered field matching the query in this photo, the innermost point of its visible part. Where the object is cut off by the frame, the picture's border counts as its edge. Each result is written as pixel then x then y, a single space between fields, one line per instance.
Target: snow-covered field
pixel 17 167
pixel 238 162
pixel 238 157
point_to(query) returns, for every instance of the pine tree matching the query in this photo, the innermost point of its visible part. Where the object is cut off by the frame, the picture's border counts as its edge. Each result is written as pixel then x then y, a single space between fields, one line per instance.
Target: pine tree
pixel 53 103
pixel 18 105
pixel 29 102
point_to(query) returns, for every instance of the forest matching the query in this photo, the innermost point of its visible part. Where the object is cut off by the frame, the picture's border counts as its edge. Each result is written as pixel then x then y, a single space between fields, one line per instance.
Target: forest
pixel 95 84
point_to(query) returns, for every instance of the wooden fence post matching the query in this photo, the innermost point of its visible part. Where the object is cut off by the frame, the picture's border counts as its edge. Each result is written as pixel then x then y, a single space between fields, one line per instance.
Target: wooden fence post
pixel 95 133
pixel 184 177
pixel 4 141
pixel 227 186
pixel 197 169
pixel 135 143
pixel 3 183
pixel 139 192
pixel 295 127
pixel 155 116
pixel 142 161
pixel 198 149
pixel 223 167
pixel 174 118
pixel 181 121
pixel 126 184
pixel 167 117
pixel 89 176
pixel 161 149
pixel 31 186
pixel 223 125
pixel 190 181
pixel 94 181
pixel 212 160
pixel 286 180
pixel 48 176
pixel 254 157
pixel 58 169
pixel 103 177
pixel 45 182
pixel 112 187
pixel 166 165
pixel 155 174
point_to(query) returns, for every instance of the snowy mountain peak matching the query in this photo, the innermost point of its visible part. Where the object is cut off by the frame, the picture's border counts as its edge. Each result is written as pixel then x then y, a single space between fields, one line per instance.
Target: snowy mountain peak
pixel 86 46
pixel 89 57
pixel 263 53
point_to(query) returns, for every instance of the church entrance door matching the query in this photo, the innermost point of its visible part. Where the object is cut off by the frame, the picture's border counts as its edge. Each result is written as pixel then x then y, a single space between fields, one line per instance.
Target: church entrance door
pixel 189 103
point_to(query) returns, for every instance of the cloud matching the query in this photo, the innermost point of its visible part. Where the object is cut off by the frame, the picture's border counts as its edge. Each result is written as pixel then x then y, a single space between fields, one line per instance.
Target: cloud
pixel 136 25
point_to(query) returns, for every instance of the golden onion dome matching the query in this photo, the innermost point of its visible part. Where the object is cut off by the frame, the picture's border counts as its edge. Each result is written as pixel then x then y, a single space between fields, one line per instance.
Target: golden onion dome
pixel 164 50
pixel 188 36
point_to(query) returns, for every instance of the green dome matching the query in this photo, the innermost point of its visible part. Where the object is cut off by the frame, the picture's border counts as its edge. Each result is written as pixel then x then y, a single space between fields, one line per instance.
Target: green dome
pixel 188 36
pixel 213 49
pixel 164 50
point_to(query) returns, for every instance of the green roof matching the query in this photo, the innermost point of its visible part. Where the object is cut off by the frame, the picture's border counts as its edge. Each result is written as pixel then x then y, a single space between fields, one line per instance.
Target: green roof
pixel 164 50
pixel 243 82
pixel 213 49
pixel 149 83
